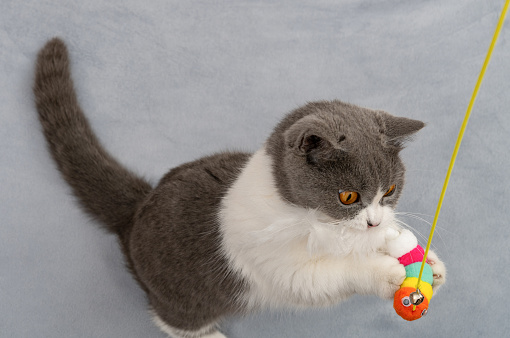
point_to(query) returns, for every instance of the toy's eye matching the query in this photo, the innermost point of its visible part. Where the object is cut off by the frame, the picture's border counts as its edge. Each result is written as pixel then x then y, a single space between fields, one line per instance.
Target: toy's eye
pixel 348 197
pixel 406 301
pixel 390 191
pixel 424 312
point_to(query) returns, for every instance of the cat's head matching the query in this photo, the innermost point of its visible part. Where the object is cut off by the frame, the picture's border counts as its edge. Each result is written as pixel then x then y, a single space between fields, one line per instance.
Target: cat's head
pixel 342 160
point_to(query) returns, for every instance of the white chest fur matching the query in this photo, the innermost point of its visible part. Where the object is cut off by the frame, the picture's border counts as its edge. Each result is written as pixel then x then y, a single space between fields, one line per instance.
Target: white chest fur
pixel 292 256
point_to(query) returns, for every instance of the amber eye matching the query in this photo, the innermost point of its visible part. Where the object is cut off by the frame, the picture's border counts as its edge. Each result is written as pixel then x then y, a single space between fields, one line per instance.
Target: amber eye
pixel 348 197
pixel 390 191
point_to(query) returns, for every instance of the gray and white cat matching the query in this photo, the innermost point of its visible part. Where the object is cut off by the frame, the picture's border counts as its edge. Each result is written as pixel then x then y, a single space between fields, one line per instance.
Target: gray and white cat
pixel 299 223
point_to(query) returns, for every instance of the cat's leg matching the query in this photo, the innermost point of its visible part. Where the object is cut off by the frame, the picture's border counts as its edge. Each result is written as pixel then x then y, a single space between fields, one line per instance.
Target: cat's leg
pixel 438 270
pixel 327 281
pixel 208 331
pixel 381 275
pixel 177 321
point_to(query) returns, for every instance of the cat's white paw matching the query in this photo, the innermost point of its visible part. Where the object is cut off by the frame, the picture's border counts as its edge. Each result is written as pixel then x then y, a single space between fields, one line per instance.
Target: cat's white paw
pixel 391 275
pixel 438 270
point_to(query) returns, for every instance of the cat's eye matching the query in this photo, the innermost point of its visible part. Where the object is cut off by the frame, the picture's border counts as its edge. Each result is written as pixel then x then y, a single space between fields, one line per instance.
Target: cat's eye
pixel 390 191
pixel 348 197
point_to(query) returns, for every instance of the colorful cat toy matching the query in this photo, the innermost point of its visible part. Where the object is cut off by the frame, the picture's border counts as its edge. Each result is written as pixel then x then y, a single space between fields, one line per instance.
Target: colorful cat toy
pixel 410 302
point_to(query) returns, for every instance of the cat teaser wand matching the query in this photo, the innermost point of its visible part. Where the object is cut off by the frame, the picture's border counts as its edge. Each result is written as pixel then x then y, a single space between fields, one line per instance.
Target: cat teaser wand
pixel 410 304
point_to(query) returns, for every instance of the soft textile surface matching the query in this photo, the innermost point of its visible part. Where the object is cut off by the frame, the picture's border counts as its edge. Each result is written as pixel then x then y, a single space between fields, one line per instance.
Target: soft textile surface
pixel 164 82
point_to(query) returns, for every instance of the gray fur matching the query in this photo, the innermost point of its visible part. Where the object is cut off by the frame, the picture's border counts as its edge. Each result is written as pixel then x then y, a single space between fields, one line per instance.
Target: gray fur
pixel 328 146
pixel 170 234
pixel 175 244
pixel 81 159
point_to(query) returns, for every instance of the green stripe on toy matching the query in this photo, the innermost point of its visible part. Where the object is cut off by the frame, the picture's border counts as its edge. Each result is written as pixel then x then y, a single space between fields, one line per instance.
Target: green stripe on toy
pixel 413 270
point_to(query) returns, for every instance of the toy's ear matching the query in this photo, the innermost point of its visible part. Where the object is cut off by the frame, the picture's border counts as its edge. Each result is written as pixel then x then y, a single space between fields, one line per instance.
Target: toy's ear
pixel 314 138
pixel 398 130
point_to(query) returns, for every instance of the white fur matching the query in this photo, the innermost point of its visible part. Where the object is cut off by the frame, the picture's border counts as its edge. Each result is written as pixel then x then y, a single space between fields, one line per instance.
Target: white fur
pixel 178 333
pixel 293 256
pixel 401 243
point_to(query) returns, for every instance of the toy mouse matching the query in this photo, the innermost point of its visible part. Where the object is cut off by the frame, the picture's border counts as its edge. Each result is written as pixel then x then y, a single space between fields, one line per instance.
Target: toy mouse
pixel 410 302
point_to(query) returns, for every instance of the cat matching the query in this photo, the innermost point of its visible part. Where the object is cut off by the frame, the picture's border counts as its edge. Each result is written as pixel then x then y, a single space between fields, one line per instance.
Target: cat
pixel 299 223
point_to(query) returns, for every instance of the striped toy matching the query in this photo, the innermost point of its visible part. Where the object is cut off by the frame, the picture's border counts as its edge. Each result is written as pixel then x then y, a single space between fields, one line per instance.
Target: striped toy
pixel 404 246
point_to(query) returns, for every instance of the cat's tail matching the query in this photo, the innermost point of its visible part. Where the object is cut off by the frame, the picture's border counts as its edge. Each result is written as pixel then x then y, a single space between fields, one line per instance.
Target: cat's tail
pixel 105 189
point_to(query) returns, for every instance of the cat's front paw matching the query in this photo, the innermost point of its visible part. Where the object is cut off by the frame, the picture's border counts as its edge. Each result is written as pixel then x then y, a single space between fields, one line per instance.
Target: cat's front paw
pixel 438 270
pixel 391 275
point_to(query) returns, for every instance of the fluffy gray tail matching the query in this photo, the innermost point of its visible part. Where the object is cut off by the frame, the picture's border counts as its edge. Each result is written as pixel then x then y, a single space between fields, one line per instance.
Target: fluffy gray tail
pixel 105 189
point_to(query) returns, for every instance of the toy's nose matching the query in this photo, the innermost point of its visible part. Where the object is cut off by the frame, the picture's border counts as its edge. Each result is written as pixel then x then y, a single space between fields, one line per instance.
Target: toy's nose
pixel 372 225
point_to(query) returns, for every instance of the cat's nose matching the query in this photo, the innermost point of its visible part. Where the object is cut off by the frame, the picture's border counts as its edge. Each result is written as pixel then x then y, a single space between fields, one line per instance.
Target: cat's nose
pixel 372 225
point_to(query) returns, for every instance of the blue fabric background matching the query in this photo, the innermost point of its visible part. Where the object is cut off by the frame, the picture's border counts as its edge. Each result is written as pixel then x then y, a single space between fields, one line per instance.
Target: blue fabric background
pixel 165 82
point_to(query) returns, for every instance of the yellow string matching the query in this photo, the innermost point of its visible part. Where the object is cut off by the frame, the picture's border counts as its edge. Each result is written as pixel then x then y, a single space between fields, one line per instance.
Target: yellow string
pixel 461 134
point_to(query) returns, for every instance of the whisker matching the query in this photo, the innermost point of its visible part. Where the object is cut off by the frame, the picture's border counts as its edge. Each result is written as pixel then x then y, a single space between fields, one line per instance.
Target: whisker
pixel 414 216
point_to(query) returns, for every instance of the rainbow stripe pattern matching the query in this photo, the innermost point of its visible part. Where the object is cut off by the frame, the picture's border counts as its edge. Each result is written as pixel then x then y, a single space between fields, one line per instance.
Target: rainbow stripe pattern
pixel 401 301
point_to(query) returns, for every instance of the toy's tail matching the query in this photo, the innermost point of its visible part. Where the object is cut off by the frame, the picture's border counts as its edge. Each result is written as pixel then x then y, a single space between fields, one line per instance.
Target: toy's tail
pixel 105 189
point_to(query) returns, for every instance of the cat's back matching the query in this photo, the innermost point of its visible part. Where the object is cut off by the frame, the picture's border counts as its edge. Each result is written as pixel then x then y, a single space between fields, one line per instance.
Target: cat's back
pixel 175 241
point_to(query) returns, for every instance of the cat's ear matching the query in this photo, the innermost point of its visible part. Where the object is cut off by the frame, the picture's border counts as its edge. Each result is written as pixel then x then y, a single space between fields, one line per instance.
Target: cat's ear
pixel 313 137
pixel 398 130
